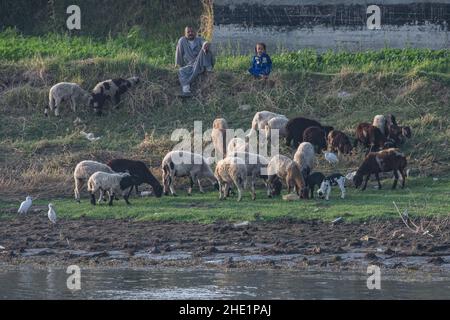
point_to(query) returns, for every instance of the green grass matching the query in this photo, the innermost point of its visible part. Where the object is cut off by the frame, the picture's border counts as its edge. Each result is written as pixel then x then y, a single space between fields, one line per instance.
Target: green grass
pixel 157 52
pixel 422 198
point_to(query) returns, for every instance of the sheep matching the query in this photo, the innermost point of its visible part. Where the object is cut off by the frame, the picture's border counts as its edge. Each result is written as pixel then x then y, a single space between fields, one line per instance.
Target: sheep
pixel 111 90
pixel 262 118
pixel 113 183
pixel 395 134
pixel 256 166
pixel 394 131
pixel 339 142
pixel 219 137
pixel 287 170
pixel 313 180
pixel 369 136
pixel 406 134
pixel 380 122
pixel 389 128
pixel 185 164
pixel 83 171
pixel 140 171
pixel 305 158
pixel 390 143
pixel 237 145
pixel 336 179
pixel 230 171
pixel 66 91
pixel 316 136
pixel 276 123
pixel 382 161
pixel 391 121
pixel 295 128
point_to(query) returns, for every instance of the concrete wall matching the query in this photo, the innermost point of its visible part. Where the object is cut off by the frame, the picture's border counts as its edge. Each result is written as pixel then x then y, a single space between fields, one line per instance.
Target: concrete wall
pixel 330 24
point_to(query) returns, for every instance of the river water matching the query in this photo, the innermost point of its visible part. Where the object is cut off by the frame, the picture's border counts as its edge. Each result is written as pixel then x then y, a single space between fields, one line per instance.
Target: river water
pixel 51 283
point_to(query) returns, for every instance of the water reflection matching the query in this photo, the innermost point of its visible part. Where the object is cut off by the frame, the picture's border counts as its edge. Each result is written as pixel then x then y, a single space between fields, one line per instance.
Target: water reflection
pixel 31 283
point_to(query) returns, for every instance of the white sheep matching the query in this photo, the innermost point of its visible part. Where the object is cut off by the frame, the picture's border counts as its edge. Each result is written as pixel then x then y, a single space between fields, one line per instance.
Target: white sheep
pixel 219 137
pixel 256 167
pixel 185 164
pixel 380 122
pixel 66 91
pixel 111 90
pixel 237 145
pixel 230 171
pixel 262 118
pixel 83 171
pixel 113 183
pixel 260 121
pixel 287 170
pixel 305 158
pixel 276 123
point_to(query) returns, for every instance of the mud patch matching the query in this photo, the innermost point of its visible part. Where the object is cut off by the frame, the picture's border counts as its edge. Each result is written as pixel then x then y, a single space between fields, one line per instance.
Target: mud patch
pixel 281 244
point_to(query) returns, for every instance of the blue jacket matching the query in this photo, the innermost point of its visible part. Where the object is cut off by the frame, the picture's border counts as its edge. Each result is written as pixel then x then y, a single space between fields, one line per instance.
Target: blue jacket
pixel 261 65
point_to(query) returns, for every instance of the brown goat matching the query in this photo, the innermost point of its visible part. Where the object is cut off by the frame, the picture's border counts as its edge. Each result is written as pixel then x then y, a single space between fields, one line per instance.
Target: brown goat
pixel 369 136
pixel 339 142
pixel 382 161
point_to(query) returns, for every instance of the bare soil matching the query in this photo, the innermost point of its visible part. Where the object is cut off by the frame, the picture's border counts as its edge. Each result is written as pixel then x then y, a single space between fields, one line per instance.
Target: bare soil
pixel 261 244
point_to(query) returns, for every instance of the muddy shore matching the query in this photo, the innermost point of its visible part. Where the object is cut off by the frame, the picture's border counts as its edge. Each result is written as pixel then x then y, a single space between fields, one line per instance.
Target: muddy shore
pixel 281 244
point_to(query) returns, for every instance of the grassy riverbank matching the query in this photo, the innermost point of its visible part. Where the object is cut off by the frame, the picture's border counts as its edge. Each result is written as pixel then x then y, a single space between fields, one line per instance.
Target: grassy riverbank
pixel 38 155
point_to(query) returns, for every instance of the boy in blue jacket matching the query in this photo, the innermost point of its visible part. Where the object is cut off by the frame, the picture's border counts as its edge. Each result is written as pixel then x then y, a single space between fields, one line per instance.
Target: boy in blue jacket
pixel 261 63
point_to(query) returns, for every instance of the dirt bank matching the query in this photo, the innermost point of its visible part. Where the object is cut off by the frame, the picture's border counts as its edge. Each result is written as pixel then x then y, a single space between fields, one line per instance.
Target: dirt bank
pixel 276 244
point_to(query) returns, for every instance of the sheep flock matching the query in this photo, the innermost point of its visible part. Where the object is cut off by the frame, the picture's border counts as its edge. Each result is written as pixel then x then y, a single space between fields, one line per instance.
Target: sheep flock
pixel 238 165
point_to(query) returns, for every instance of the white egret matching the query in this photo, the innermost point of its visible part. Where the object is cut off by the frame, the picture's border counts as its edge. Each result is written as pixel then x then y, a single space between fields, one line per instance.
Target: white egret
pixel 25 206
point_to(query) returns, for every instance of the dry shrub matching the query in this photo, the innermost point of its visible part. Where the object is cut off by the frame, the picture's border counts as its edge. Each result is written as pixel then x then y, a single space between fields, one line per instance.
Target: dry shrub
pixel 207 20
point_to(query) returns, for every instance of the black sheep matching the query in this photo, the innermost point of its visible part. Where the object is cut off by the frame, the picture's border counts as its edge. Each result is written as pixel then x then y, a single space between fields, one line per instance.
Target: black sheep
pixel 313 180
pixel 316 136
pixel 139 170
pixel 295 129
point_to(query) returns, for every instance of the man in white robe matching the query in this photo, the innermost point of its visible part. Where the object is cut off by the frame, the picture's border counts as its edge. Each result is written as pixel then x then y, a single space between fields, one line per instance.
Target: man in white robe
pixel 193 57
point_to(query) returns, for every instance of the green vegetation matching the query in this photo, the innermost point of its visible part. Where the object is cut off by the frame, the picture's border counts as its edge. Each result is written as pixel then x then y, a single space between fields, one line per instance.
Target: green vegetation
pixel 160 52
pixel 423 197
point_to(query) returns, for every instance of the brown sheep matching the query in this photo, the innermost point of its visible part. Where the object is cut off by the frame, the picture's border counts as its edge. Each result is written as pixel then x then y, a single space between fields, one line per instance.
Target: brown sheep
pixel 382 161
pixel 369 136
pixel 339 142
pixel 287 170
